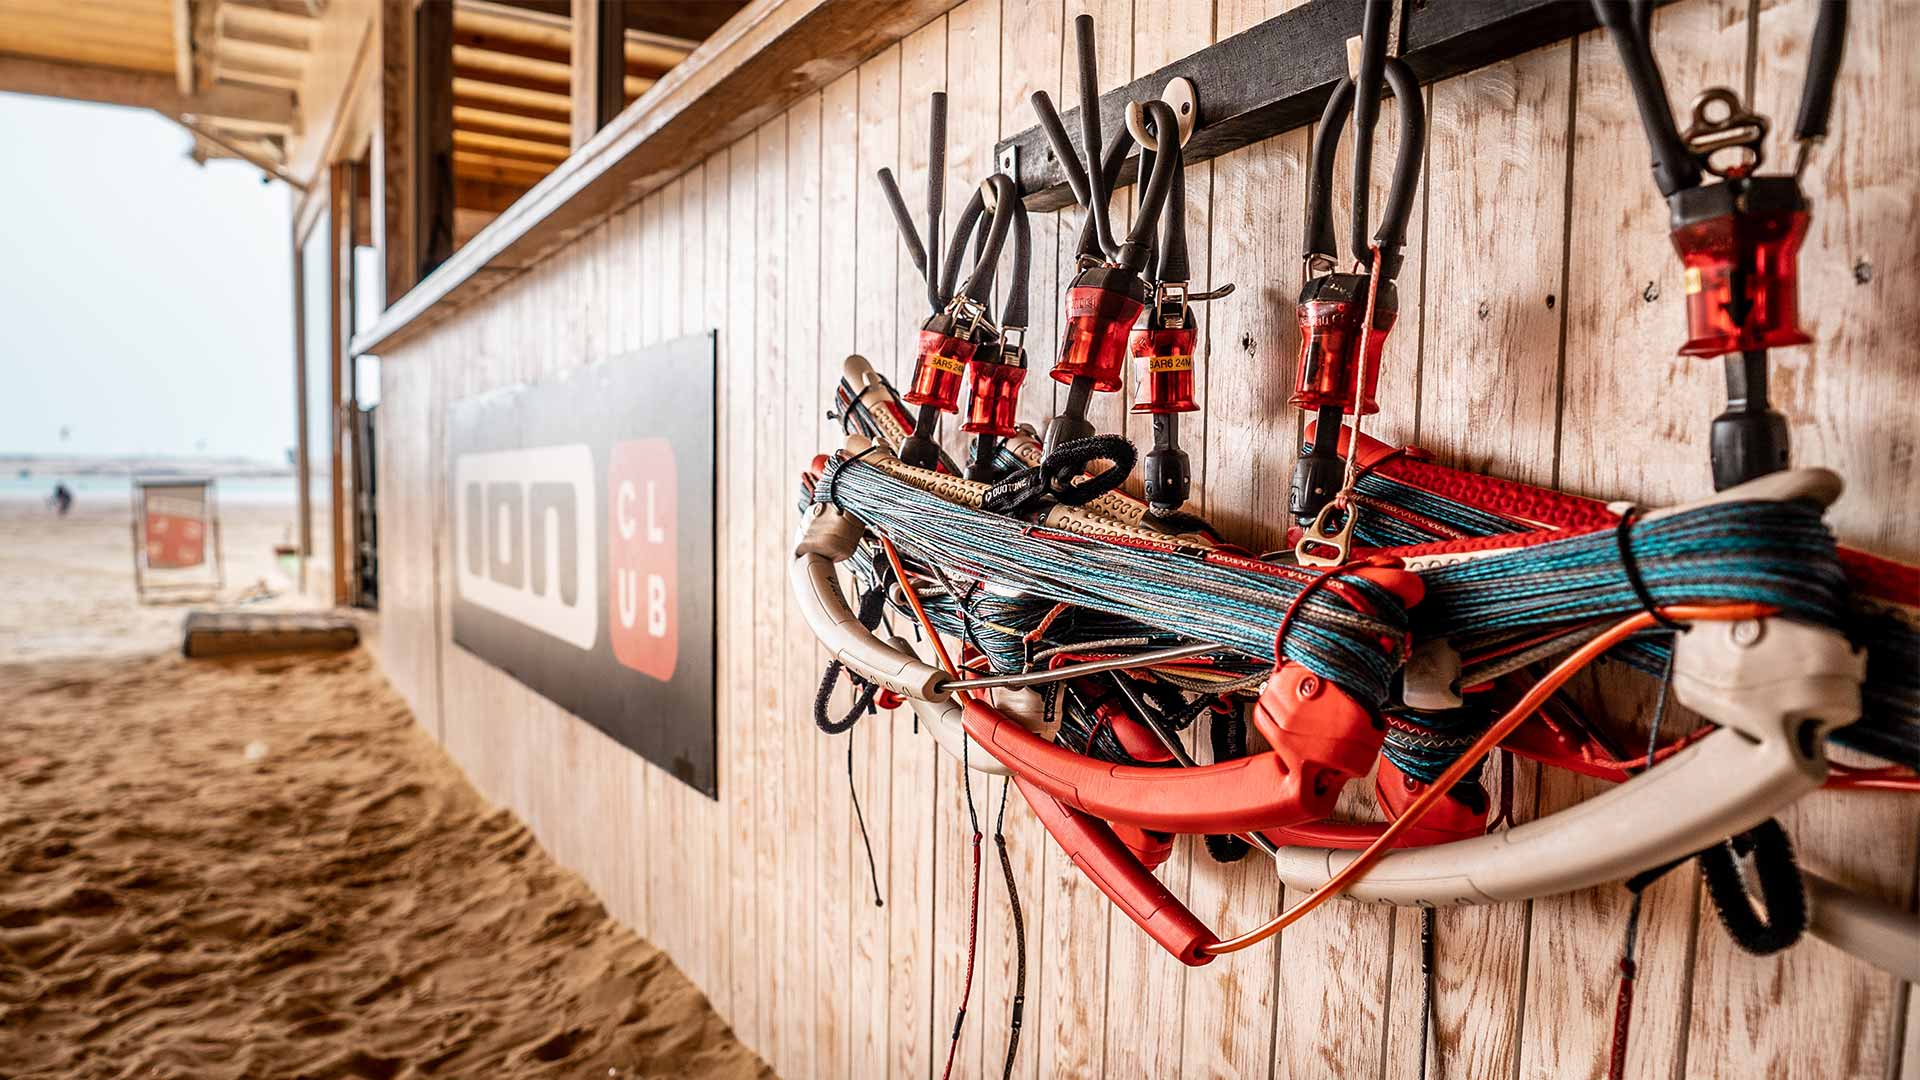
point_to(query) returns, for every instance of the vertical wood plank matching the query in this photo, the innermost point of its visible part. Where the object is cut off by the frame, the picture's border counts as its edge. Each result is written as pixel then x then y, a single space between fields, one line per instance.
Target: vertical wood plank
pixel 1621 376
pixel 1148 986
pixel 876 337
pixel 1489 382
pixel 1842 1020
pixel 771 521
pixel 1028 51
pixel 841 871
pixel 1069 1025
pixel 920 965
pixel 738 748
pixel 663 879
pixel 597 67
pixel 732 410
pixel 1259 201
pixel 800 654
pixel 1336 975
pixel 432 137
pixel 968 54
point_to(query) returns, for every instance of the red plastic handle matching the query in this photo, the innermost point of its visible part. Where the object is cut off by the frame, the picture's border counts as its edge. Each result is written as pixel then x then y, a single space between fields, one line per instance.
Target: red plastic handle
pixel 1106 862
pixel 1242 795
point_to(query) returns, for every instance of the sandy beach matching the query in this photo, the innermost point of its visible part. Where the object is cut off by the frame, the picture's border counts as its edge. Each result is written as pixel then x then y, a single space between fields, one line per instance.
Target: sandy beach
pixel 66 583
pixel 262 867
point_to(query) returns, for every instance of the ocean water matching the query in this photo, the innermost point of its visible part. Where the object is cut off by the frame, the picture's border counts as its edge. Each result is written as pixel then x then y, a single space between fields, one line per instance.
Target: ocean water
pixel 249 490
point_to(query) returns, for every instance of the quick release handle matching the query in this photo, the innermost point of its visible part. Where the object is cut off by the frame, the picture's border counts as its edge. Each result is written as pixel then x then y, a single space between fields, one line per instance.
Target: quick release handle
pixel 1172 250
pixel 1366 111
pixel 1090 130
pixel 936 187
pixel 1014 313
pixel 1133 254
pixel 1062 144
pixel 1674 166
pixel 1823 69
pixel 1326 140
pixel 910 235
pixel 987 248
pixel 1408 155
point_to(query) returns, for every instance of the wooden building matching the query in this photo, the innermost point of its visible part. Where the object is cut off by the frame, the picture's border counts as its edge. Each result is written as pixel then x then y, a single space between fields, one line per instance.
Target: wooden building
pixel 523 217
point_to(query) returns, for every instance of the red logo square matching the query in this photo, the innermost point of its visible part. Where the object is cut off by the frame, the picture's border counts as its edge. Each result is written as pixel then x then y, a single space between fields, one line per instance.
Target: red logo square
pixel 642 538
pixel 174 542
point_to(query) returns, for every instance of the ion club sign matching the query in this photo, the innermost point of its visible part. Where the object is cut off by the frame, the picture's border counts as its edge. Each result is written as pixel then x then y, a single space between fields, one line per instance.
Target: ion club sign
pixel 584 545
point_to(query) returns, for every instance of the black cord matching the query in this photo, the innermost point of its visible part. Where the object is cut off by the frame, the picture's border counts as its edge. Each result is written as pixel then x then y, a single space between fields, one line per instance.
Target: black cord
pixel 872 606
pixel 1426 984
pixel 873 870
pixel 1631 565
pixel 833 471
pixel 1019 935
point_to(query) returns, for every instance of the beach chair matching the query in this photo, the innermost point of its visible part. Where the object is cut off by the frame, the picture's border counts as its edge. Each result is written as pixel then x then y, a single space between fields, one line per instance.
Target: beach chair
pixel 176 538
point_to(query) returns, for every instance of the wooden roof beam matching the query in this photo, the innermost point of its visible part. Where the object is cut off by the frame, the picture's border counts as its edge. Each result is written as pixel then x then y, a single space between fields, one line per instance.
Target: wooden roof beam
pixel 485 195
pixel 242 31
pixel 474 166
pixel 506 147
pixel 297 8
pixel 494 122
pixel 484 96
pixel 268 59
pixel 183 73
pixel 145 90
pixel 278 80
pixel 235 16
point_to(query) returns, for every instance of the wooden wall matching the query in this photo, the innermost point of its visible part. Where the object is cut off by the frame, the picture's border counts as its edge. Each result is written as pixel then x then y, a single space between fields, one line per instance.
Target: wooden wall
pixel 1540 313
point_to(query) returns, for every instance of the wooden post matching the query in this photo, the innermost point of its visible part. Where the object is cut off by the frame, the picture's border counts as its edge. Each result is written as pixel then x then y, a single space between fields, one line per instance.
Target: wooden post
pixel 183 73
pixel 433 135
pixel 302 453
pixel 393 163
pixel 599 65
pixel 340 311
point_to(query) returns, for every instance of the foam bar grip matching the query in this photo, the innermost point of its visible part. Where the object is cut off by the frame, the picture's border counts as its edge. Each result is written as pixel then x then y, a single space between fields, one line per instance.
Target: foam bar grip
pixel 1107 862
pixel 941 719
pixel 1722 785
pixel 825 610
pixel 1873 930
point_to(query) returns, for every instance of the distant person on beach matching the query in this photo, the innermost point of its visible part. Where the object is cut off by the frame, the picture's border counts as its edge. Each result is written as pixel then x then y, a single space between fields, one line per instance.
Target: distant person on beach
pixel 62 499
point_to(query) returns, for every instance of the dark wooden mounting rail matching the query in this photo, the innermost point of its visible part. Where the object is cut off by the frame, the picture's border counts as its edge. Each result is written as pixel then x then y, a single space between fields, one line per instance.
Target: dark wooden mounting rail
pixel 1276 76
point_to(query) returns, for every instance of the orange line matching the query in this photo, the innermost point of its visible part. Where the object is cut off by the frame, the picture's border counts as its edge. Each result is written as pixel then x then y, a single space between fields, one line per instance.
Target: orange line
pixel 1522 709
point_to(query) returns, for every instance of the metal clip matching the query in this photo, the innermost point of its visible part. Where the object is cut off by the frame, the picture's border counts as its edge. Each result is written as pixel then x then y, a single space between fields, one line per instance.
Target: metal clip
pixel 1013 345
pixel 1737 128
pixel 1317 541
pixel 967 314
pixel 1170 304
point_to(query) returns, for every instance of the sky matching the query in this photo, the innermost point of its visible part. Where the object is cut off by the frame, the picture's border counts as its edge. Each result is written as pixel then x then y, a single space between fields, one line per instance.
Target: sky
pixel 145 301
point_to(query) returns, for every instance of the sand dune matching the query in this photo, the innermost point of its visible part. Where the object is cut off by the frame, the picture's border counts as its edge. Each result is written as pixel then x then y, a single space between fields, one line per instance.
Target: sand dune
pixel 262 868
